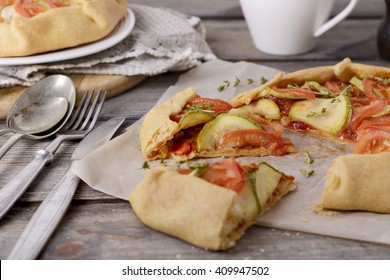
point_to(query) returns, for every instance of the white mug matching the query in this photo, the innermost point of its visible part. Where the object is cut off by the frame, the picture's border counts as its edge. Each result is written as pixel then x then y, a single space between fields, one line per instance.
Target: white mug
pixel 289 27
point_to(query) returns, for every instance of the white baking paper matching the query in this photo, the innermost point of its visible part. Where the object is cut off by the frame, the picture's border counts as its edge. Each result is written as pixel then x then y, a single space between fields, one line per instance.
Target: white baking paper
pixel 116 167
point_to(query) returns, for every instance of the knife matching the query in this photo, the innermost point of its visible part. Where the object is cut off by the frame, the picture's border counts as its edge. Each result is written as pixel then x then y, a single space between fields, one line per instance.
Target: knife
pixel 53 208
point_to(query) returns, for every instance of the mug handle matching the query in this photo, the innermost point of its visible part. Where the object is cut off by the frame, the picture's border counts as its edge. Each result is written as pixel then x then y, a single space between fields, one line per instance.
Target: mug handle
pixel 335 20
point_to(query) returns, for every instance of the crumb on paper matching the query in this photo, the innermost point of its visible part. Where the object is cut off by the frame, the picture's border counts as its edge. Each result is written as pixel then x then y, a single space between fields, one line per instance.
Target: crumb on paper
pixel 304 220
pixel 286 233
pixel 318 209
pixel 262 250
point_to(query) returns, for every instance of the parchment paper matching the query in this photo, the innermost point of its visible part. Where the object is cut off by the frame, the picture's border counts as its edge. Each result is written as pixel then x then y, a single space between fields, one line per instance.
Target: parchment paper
pixel 116 167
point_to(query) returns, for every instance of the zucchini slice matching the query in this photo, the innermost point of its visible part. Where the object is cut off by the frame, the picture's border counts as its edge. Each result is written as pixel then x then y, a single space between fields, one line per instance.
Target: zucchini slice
pixel 195 117
pixel 267 180
pixel 263 107
pixel 222 124
pixel 330 115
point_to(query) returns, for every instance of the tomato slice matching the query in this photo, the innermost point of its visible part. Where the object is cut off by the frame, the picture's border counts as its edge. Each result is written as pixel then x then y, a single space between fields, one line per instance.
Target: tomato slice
pixel 226 173
pixel 28 8
pixel 184 146
pixel 335 86
pixel 297 92
pixel 184 171
pixel 373 136
pixel 254 138
pixel 4 3
pixel 375 89
pixel 216 106
pixel 363 112
pixel 57 3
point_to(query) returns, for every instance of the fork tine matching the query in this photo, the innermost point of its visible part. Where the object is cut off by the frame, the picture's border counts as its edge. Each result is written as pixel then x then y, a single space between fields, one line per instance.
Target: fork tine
pixel 76 114
pixel 91 110
pixel 97 112
pixel 83 110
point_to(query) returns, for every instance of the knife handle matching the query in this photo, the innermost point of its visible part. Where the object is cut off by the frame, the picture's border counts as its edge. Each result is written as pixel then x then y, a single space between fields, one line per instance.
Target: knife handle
pixel 45 219
pixel 14 189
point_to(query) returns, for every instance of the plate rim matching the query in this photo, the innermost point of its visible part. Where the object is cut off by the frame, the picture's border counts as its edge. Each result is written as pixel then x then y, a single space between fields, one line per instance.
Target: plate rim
pixel 120 32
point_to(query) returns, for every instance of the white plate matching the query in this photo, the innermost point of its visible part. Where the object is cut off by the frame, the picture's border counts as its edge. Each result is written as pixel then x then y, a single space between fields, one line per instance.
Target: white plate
pixel 121 31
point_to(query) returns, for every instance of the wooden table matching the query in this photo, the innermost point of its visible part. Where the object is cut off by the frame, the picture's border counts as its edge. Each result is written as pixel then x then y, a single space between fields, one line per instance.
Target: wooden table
pixel 98 226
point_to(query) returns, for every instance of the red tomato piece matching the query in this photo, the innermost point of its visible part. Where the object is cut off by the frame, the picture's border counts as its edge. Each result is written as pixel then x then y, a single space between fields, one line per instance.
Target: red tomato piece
pixel 335 86
pixel 366 111
pixel 227 173
pixel 373 136
pixel 183 147
pixel 28 8
pixel 217 106
pixel 57 3
pixel 375 89
pixel 297 92
pixel 4 3
pixel 253 138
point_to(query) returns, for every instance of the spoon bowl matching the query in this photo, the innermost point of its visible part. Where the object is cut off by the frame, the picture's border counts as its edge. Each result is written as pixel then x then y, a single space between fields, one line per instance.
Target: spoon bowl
pixel 41 110
pixel 25 120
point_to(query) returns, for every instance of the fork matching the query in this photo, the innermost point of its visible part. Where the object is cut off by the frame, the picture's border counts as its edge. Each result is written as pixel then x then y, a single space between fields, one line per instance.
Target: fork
pixel 80 124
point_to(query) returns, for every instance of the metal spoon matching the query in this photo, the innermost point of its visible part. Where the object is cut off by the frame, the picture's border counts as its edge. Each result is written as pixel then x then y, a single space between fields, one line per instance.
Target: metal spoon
pixel 40 111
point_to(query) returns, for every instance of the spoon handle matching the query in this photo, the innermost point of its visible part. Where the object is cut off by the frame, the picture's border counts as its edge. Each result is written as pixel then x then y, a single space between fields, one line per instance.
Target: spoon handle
pixel 11 141
pixel 14 189
pixel 5 130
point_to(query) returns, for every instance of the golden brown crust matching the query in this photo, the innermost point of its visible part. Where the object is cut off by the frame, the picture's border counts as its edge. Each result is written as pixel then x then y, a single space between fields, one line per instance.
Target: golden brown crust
pixel 195 210
pixel 358 182
pixel 157 127
pixel 343 70
pixel 61 28
pixel 184 206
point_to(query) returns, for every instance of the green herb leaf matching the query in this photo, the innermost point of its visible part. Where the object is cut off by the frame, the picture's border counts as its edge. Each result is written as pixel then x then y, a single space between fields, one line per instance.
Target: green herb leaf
pixel 311 114
pixel 249 81
pixel 220 88
pixel 309 159
pixel 237 82
pixel 262 80
pixel 146 165
pixel 307 173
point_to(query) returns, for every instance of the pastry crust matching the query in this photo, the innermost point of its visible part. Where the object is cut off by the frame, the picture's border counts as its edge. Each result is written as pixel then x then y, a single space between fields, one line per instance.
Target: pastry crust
pixel 157 128
pixel 343 70
pixel 180 205
pixel 195 210
pixel 358 182
pixel 60 28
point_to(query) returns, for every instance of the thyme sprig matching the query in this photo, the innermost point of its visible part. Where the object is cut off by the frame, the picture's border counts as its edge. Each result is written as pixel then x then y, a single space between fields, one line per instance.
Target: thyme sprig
pixel 225 84
pixel 145 165
pixel 307 173
pixel 309 160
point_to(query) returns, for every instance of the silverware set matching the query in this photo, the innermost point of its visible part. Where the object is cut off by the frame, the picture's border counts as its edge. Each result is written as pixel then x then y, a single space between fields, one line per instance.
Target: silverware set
pixel 48 215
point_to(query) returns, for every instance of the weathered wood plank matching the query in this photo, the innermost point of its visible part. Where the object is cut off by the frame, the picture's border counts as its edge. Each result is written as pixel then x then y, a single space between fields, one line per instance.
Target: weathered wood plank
pixel 112 231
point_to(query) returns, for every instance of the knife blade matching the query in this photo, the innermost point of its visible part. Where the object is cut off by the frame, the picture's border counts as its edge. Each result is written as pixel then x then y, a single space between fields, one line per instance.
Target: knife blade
pixel 53 208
